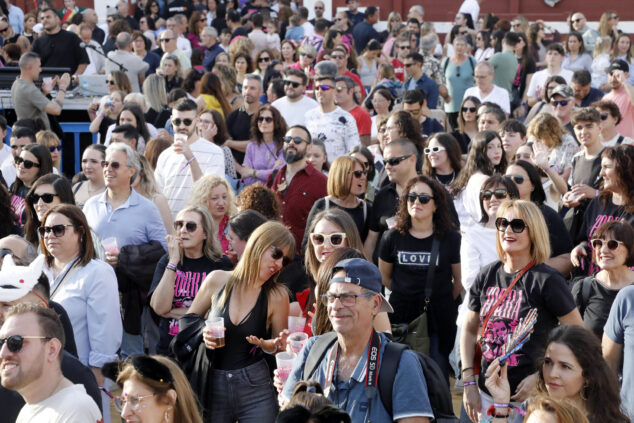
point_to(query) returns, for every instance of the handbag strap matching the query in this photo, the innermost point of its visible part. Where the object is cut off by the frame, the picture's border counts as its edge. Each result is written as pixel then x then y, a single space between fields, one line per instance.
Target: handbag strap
pixel 431 270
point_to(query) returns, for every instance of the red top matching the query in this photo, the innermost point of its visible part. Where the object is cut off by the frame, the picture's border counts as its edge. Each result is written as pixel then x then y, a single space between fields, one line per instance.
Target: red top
pixel 399 69
pixel 302 299
pixel 364 121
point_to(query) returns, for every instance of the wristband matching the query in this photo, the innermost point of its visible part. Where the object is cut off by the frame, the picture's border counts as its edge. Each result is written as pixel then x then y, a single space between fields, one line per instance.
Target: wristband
pixel 469 383
pixel 187 163
pixel 171 267
pixel 277 347
pixel 596 192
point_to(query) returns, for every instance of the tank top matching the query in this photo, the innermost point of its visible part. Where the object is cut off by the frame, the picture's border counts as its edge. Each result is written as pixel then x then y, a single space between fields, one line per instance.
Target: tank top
pixel 237 352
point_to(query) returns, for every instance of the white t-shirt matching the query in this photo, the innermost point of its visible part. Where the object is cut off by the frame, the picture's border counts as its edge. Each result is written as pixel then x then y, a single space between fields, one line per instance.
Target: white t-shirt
pixel 538 81
pixel 294 113
pixel 612 142
pixel 471 7
pixel 8 170
pixel 5 153
pixel 337 129
pixel 309 29
pixel 498 95
pixel 174 176
pixel 70 405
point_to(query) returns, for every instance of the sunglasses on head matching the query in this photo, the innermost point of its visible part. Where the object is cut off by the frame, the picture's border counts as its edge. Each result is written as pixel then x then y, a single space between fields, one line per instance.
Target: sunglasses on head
pixel 279 254
pixel 335 239
pixel 15 342
pixel 58 230
pixel 517 225
pixel 189 226
pixel 430 150
pixel 563 103
pixel 500 194
pixel 323 87
pixel 47 198
pixel 291 83
pixel 518 179
pixel 604 116
pixel 178 121
pixel 422 198
pixel 469 109
pixel 296 140
pixel 267 119
pixel 359 173
pixel 612 244
pixel 263 59
pixel 27 164
pixel 396 160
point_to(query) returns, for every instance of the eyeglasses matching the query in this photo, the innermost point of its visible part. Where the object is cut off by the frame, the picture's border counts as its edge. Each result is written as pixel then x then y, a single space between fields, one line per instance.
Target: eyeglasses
pixel 47 198
pixel 279 254
pixel 394 161
pixel 110 82
pixel 563 103
pixel 347 299
pixel 165 40
pixel 267 119
pixel 15 342
pixel 189 226
pixel 310 56
pixel 133 400
pixel 469 109
pixel 55 148
pixel 115 165
pixel 604 116
pixel 403 47
pixel 422 198
pixel 517 225
pixel 27 164
pixel 323 87
pixel 430 150
pixel 335 239
pixel 519 180
pixel 58 230
pixel 500 194
pixel 178 121
pixel 291 83
pixel 359 173
pixel 296 140
pixel 337 56
pixel 612 244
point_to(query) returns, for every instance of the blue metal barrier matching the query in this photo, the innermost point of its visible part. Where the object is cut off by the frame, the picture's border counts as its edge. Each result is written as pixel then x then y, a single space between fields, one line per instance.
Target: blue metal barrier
pixel 77 128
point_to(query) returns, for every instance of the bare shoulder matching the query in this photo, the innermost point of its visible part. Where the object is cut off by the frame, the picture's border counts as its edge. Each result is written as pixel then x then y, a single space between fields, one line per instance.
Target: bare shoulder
pixel 215 281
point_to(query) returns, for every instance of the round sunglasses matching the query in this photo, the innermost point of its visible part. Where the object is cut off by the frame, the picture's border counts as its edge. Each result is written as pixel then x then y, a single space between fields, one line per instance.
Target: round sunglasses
pixel 612 244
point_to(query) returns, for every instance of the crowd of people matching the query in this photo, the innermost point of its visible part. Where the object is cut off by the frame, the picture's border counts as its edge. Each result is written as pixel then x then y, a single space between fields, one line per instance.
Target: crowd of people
pixel 470 195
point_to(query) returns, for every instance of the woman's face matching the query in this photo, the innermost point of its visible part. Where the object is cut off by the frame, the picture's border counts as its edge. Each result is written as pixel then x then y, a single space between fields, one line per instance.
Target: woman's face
pixel 520 46
pixel 392 131
pixel 269 266
pixel 469 111
pixel 287 52
pixel 190 240
pixel 41 207
pixel 218 201
pixel 236 245
pixel 359 183
pixel 563 374
pixel 611 180
pixel 495 151
pixel 542 416
pixel 29 23
pixel 91 164
pixel 222 59
pixel 326 227
pixel 573 44
pixel 111 83
pixel 138 45
pixel 623 45
pixel 521 179
pixel 63 246
pixel 148 410
pixel 117 102
pixel 143 24
pixel 479 41
pixel 524 152
pixel 418 210
pixel 154 8
pixel 265 122
pixel 27 176
pixel 316 156
pixel 338 39
pixel 241 65
pixel 439 158
pixel 381 104
pixel 55 152
pixel 305 59
pixel 608 259
pixel 169 68
pixel 263 62
pixel 514 243
pixel 491 205
pixel 127 118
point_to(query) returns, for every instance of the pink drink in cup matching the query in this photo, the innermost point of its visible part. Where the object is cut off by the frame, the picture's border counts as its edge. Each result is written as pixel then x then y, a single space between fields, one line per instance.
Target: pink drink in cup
pixel 216 327
pixel 297 341
pixel 284 364
pixel 110 245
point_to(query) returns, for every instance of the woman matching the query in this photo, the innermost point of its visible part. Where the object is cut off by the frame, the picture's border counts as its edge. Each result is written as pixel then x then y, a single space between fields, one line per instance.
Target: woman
pixel 132 114
pixel 47 192
pixel 576 56
pixel 106 115
pixel 467 123
pixel 172 72
pixel 262 199
pixel 9 221
pixel 544 106
pixel 522 246
pixel 224 59
pixel 394 25
pixel 243 64
pixel 612 252
pixel 347 180
pixel 623 50
pixel 50 140
pixel 30 19
pixel 211 92
pixel 382 102
pixel 118 81
pixel 145 184
pixel 155 389
pixel 264 154
pixel 572 370
pixel 288 52
pixel 526 70
pixel 459 71
pixel 214 193
pixel 142 46
pixel 241 226
pixel 228 82
pixel 484 50
pixel 370 59
pixel 155 92
pixel 147 26
pixel 253 305
pixel 537 41
pixel 306 62
pixel 197 21
pixel 212 127
pixel 365 156
pixel 85 286
pixel 94 184
pixel 318 157
pixel 34 161
pixel 193 253
pixel 423 225
pixel 153 10
pixel 332 39
pixel 262 61
pixel 442 159
pixel 600 62
pixel 402 124
pixel 608 25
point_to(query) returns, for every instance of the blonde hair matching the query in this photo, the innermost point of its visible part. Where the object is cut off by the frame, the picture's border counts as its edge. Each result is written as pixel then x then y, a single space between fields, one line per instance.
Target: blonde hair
pixel 49 139
pixel 137 98
pixel 241 45
pixel 147 183
pixel 340 176
pixel 211 246
pixel 535 225
pixel 201 192
pixel 547 129
pixel 603 45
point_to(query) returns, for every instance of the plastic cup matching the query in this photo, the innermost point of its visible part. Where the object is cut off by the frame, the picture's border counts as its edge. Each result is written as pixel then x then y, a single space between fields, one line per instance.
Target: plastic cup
pixel 47 82
pixel 179 140
pixel 296 324
pixel 110 245
pixel 216 327
pixel 284 362
pixel 297 341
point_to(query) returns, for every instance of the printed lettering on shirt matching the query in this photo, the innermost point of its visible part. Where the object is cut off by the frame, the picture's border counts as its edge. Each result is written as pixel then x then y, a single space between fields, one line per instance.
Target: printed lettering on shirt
pixel 501 324
pixel 414 258
pixel 185 289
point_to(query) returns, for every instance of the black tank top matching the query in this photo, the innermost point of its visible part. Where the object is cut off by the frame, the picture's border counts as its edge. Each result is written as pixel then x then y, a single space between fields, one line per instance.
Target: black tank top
pixel 237 352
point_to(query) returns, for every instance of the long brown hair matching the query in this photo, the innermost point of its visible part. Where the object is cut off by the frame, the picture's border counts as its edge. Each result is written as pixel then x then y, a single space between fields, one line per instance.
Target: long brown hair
pixel 623 157
pixel 80 225
pixel 211 85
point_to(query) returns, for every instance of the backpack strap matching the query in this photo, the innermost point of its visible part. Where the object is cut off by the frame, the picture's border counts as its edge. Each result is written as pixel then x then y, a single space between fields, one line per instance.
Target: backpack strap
pixel 387 372
pixel 586 292
pixel 317 353
pixel 431 270
pixel 471 60
pixel 445 64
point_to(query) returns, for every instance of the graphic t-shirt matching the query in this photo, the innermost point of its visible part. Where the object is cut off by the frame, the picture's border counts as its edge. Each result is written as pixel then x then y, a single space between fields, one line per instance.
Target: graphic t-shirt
pixel 541 287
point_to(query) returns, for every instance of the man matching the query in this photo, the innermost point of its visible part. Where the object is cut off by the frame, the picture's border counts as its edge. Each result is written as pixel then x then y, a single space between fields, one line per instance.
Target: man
pixel 364 31
pixel 513 135
pixel 353 301
pixel 69 10
pixel 327 122
pixel 294 105
pixel 234 23
pixel 182 43
pixel 297 184
pixel 490 118
pixel 19 138
pixel 239 121
pixel 319 8
pixel 186 161
pixel 212 47
pixel 91 18
pixel 22 251
pixel 622 94
pixel 133 66
pixel 59 48
pixel 122 213
pixel 257 35
pixel 486 90
pixel 344 97
pixel 416 79
pixel 123 12
pixel 399 157
pixel 340 55
pixel 610 118
pixel 537 86
pixel 585 95
pixel 97 61
pixel 471 7
pixel 402 48
pixel 31 357
pixel 413 27
pixel 562 101
pixel 30 102
pixel 415 102
pixel 417 12
pixel 126 134
pixel 505 63
pixel 589 35
pixel 353 13
pixel 167 40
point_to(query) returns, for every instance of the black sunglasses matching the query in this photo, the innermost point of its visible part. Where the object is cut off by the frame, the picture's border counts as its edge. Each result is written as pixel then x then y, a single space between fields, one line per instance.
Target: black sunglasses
pixel 517 225
pixel 519 180
pixel 28 164
pixel 264 59
pixel 296 140
pixel 422 198
pixel 55 148
pixel 47 198
pixel 307 55
pixel 394 161
pixel 189 226
pixel 114 165
pixel 165 40
pixel 15 342
pixel 500 194
pixel 178 121
pixel 359 173
pixel 279 254
pixel 58 230
pixel 469 109
pixel 292 83
pixel 267 119
pixel 604 116
pixel 110 82
pixel 612 244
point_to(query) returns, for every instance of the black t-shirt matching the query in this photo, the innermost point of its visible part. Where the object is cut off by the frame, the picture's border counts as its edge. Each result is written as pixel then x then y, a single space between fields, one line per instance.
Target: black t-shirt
pixel 103 128
pixel 190 275
pixel 69 334
pixel 541 287
pixel 597 213
pixel 359 214
pixel 383 208
pixel 239 127
pixel 463 139
pixel 60 50
pixel 178 7
pixel 430 127
pixel 560 241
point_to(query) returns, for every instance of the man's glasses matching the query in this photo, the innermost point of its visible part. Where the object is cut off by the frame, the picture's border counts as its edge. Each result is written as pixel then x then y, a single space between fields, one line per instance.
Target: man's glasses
pixel 436 149
pixel 267 119
pixel 179 121
pixel 133 400
pixel 27 164
pixel 422 198
pixel 279 254
pixel 57 230
pixel 189 226
pixel 347 299
pixel 517 225
pixel 47 198
pixel 323 87
pixel 165 40
pixel 335 239
pixel 500 194
pixel 612 244
pixel 296 140
pixel 563 103
pixel 394 161
pixel 292 83
pixel 115 165
pixel 15 342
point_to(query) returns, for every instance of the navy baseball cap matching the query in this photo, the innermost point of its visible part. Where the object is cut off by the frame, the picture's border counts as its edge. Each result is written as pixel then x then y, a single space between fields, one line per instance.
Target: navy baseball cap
pixel 619 64
pixel 363 273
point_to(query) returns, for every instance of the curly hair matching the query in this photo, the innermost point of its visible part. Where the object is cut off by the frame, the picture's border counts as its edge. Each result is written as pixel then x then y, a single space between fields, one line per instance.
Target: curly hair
pixel 279 127
pixel 409 128
pixel 477 160
pixel 442 217
pixel 201 192
pixel 620 231
pixel 260 198
pixel 623 157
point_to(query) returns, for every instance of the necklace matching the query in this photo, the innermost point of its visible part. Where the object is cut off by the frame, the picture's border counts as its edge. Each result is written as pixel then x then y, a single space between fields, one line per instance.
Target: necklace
pixel 453 176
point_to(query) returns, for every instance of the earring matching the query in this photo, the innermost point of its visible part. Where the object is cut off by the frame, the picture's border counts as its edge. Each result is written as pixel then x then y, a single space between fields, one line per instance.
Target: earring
pixel 167 414
pixel 582 394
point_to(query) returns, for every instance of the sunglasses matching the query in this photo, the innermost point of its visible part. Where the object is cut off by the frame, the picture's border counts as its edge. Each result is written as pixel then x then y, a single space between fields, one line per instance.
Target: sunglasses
pixel 291 83
pixel 110 82
pixel 58 230
pixel 338 19
pixel 500 194
pixel 335 239
pixel 612 244
pixel 279 254
pixel 267 119
pixel 614 17
pixel 264 59
pixel 323 87
pixel 422 198
pixel 4 29
pixel 519 180
pixel 165 40
pixel 414 112
pixel 604 116
pixel 517 225
pixel 27 164
pixel 296 140
pixel 55 148
pixel 396 160
pixel 359 173
pixel 115 165
pixel 189 226
pixel 430 150
pixel 15 342
pixel 403 47
pixel 310 56
pixel 178 121
pixel 469 109
pixel 577 20
pixel 563 103
pixel 47 198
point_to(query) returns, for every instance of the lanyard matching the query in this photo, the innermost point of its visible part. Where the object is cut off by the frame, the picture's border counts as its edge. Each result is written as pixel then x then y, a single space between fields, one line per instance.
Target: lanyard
pixel 69 270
